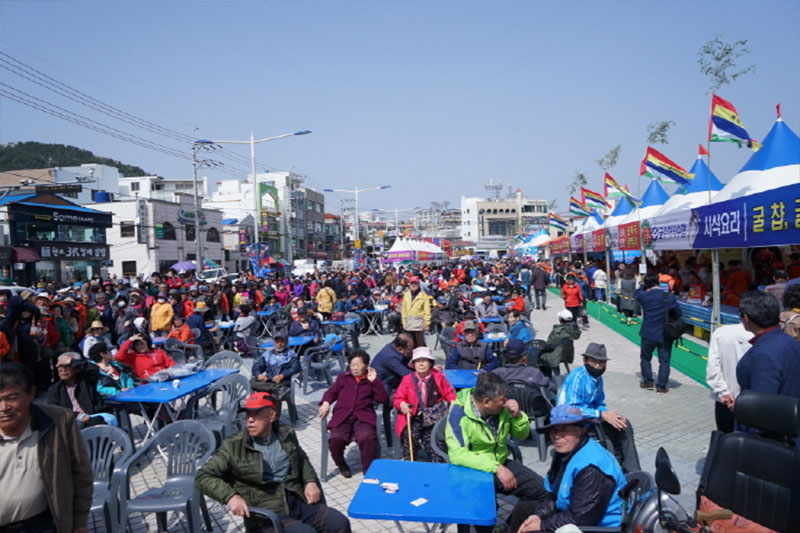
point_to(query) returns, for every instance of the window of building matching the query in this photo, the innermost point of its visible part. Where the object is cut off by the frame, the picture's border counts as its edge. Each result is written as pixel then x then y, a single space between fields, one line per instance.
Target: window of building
pixel 158 187
pixel 128 268
pixel 127 229
pixel 189 228
pixel 212 235
pixel 134 186
pixel 166 232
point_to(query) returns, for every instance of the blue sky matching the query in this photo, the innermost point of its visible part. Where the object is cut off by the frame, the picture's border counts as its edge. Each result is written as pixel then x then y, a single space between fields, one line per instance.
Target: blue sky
pixel 433 98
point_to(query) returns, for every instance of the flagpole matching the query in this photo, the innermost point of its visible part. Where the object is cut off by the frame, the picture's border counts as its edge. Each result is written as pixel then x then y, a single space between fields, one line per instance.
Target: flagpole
pixel 715 289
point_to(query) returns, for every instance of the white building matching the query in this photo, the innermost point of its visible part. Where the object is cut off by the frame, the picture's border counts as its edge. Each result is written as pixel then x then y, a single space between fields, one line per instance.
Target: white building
pixel 81 184
pixel 150 235
pixel 158 188
pixel 469 218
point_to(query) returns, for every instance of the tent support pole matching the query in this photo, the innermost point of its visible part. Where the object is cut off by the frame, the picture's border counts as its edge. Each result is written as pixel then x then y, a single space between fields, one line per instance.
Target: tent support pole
pixel 715 313
pixel 608 275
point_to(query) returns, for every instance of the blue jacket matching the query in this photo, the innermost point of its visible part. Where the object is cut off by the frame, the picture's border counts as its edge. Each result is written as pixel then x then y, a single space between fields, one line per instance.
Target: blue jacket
pixel 654 313
pixel 314 330
pixel 520 332
pixel 771 365
pixel 591 454
pixel 583 391
pixel 391 366
pixel 269 364
pixel 108 386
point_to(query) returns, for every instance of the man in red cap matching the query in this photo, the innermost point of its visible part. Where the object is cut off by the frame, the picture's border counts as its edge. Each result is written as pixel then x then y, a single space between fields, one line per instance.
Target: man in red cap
pixel 264 466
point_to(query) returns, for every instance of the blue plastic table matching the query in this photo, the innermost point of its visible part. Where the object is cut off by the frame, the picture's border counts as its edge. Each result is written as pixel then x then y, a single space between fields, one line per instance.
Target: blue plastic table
pixel 293 341
pixel 346 322
pixel 462 378
pixel 501 338
pixel 265 313
pixel 491 320
pixel 455 494
pixel 163 393
pixel 158 340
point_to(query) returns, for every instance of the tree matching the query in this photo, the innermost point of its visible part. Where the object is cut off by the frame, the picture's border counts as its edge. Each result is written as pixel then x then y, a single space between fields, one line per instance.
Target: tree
pixel 27 155
pixel 609 161
pixel 718 61
pixel 657 132
pixel 578 181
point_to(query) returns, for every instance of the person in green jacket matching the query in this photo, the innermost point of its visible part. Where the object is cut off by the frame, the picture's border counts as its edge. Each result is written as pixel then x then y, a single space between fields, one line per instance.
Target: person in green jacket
pixel 264 466
pixel 478 426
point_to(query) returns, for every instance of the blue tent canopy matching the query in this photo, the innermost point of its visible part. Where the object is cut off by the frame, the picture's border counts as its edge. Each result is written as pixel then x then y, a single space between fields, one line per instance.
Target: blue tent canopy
pixel 654 195
pixel 781 147
pixel 704 179
pixel 623 207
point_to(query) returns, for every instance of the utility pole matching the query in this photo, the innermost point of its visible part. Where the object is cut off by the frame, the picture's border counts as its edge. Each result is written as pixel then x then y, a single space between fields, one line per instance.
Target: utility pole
pixel 198 246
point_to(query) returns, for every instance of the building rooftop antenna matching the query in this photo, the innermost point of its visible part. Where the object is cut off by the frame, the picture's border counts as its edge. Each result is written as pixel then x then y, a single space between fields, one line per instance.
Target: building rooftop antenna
pixel 494 190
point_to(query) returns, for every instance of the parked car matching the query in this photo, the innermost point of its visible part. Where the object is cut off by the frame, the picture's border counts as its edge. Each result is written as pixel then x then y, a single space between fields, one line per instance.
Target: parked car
pixel 212 275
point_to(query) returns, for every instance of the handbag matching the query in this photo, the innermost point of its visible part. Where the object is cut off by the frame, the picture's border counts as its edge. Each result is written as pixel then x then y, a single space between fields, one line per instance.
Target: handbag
pixel 674 328
pixel 434 413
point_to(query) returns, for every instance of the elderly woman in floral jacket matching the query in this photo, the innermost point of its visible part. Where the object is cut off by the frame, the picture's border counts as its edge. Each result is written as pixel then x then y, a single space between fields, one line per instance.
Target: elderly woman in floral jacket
pixel 355 393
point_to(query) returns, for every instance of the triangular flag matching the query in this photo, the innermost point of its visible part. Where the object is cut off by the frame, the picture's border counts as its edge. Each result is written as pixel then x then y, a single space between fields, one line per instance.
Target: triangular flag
pixel 702 150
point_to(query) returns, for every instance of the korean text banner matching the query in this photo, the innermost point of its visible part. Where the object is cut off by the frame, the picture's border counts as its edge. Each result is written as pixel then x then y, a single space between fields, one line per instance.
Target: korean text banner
pixel 578 243
pixel 560 246
pixel 628 236
pixel 598 243
pixel 764 219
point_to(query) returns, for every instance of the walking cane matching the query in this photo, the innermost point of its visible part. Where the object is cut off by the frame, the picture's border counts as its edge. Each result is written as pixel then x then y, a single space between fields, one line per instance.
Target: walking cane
pixel 410 441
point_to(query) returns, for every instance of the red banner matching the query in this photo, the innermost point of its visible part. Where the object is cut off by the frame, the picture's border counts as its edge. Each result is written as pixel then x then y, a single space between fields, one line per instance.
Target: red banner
pixel 628 236
pixel 559 246
pixel 598 242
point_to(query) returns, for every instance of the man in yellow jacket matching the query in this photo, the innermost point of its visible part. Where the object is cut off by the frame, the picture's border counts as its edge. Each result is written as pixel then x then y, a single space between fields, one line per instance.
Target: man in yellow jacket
pixel 416 312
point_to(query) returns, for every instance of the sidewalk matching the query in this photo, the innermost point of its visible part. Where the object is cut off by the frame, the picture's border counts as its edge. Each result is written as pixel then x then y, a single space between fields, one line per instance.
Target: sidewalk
pixel 681 421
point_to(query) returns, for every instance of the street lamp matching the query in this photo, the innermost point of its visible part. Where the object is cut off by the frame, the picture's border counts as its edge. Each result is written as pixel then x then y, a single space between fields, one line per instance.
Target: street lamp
pixel 356 191
pixel 253 142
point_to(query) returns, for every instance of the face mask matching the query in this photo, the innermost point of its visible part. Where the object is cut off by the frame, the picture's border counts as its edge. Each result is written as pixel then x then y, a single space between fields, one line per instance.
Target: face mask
pixel 121 304
pixel 594 372
pixel 161 300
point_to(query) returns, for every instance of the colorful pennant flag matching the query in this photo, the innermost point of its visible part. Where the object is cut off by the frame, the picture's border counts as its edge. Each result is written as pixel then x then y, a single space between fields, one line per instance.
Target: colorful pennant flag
pixel 615 190
pixel 558 222
pixel 593 199
pixel 701 150
pixel 665 166
pixel 576 207
pixel 726 126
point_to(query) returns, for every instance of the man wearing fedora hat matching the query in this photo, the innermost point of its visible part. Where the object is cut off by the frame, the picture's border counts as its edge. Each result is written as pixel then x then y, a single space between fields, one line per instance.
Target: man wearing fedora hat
pixel 265 466
pixel 583 389
pixel 584 480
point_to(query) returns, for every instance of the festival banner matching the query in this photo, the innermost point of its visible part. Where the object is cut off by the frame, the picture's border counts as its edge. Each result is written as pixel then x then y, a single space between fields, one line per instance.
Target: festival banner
pixel 598 240
pixel 559 246
pixel 770 218
pixel 628 236
pixel 578 243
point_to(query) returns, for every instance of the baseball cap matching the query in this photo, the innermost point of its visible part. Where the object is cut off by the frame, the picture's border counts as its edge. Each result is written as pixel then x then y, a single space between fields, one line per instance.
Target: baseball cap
pixel 259 400
pixel 563 415
pixel 564 315
pixel 470 325
pixel 515 346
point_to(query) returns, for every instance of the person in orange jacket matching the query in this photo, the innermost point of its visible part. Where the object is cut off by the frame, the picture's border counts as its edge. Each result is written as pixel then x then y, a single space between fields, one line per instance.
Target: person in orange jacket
pixel 738 280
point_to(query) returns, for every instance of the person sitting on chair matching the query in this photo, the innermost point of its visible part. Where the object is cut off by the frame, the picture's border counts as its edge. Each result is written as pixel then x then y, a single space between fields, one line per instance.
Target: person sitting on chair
pixel 305 326
pixel 77 391
pixel 584 480
pixel 583 389
pixel 517 369
pixel 273 370
pixel 354 393
pixel 486 308
pixel 518 329
pixel 470 353
pixel 138 353
pixel 264 466
pixel 478 425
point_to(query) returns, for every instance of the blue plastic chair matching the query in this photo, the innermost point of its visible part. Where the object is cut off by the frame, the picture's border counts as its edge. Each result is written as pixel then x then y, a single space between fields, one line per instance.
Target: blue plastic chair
pixel 109 448
pixel 184 445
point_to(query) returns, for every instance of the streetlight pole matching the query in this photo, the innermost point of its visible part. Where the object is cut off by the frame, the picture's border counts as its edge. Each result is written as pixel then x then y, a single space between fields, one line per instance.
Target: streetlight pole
pixel 198 250
pixel 356 192
pixel 252 142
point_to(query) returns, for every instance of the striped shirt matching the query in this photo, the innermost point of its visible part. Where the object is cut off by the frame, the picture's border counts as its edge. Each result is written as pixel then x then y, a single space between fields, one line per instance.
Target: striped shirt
pixel 584 392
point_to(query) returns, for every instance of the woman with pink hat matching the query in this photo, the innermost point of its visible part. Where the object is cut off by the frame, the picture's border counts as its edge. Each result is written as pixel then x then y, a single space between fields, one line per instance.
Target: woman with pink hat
pixel 422 397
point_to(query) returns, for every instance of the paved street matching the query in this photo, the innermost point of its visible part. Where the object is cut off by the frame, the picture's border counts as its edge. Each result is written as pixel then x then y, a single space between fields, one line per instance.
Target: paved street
pixel 680 421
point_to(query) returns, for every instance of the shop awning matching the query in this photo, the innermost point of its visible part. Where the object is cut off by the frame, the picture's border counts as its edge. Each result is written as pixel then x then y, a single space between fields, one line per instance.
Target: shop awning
pixel 24 255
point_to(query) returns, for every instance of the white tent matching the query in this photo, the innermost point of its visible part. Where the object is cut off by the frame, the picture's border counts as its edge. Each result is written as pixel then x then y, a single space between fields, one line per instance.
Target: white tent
pixel 654 197
pixel 696 193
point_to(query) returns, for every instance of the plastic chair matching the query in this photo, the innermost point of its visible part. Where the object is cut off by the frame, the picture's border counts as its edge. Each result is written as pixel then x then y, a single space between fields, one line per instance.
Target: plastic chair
pixel 109 448
pixel 277 526
pixel 253 344
pixel 185 445
pixel 225 359
pixel 317 358
pixel 338 350
pixel 533 402
pixel 324 451
pixel 218 406
pixel 446 339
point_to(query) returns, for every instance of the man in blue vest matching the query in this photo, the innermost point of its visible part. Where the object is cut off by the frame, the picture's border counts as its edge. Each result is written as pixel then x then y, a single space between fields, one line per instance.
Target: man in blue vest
pixel 584 480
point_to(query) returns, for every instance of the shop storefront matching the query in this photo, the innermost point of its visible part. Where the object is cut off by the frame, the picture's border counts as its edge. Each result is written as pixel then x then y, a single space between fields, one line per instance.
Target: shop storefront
pixel 55 239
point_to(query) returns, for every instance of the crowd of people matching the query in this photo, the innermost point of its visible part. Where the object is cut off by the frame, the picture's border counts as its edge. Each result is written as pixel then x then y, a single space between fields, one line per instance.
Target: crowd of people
pixel 74 347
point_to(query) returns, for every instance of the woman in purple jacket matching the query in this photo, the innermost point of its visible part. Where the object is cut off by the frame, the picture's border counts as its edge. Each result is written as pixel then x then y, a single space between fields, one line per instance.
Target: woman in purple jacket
pixel 356 392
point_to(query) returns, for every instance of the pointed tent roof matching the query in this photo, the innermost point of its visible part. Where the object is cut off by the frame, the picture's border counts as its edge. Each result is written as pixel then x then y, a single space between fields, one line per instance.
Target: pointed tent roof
pixel 696 193
pixel 623 208
pixel 654 197
pixel 776 164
